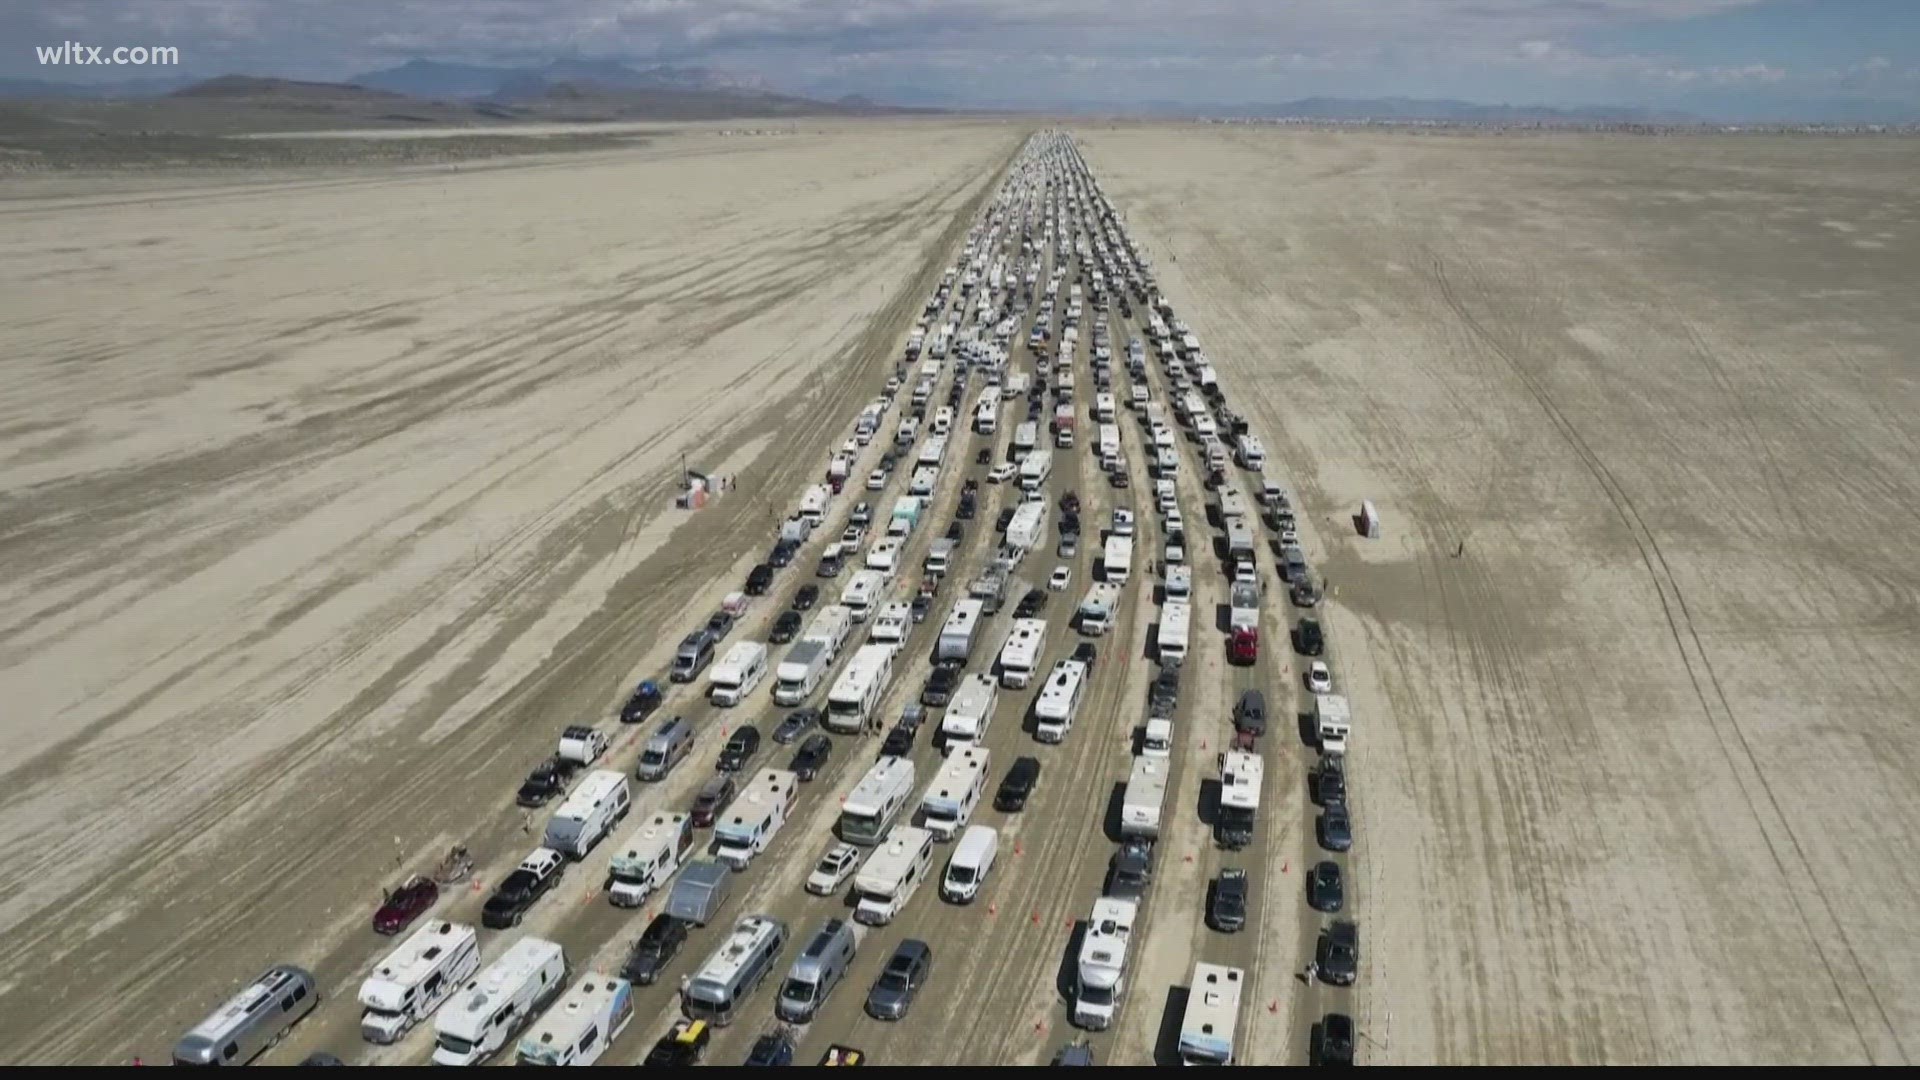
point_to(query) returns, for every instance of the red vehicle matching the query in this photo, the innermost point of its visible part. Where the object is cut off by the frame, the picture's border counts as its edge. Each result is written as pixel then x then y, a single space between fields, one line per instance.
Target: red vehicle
pixel 405 904
pixel 1244 646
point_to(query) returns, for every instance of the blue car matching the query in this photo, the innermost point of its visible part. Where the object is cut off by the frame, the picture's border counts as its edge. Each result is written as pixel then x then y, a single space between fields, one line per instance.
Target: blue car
pixel 645 699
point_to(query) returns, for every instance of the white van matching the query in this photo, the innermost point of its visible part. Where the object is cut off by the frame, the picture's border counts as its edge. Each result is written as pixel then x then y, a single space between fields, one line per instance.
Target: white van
pixel 971 863
pixel 736 675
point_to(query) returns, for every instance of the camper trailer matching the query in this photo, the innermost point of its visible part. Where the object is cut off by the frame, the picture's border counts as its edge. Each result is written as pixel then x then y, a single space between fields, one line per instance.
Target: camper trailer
pixel 417 978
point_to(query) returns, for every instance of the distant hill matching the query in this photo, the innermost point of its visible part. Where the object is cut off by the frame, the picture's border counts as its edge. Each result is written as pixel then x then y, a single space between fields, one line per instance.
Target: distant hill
pixel 429 78
pixel 256 89
pixel 48 90
pixel 1421 109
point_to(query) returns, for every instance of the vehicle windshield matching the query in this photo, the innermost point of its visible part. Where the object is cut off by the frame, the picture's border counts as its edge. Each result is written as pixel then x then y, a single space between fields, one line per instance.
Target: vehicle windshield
pixel 894 978
pixel 454 1044
pixel 1236 818
pixel 796 990
pixel 1094 995
pixel 960 875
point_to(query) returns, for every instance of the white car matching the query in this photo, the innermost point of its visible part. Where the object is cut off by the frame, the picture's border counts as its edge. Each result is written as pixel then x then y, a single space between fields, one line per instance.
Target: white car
pixel 835 867
pixel 853 534
pixel 1244 572
pixel 1176 551
pixel 1062 575
pixel 1000 474
pixel 1175 520
pixel 1319 679
pixel 1123 523
pixel 876 479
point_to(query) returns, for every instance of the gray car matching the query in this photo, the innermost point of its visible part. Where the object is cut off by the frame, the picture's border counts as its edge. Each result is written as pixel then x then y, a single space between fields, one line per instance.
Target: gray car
pixel 1335 828
pixel 1131 870
pixel 900 981
pixel 1324 889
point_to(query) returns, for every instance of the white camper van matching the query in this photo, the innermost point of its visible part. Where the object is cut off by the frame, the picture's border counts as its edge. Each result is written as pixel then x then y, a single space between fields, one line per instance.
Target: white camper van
pixel 877 800
pixel 955 792
pixel 737 673
pixel 600 801
pixel 891 875
pixel 649 858
pixel 972 861
pixel 858 690
pixel 492 1009
pixel 417 978
pixel 748 826
pixel 1213 1012
pixel 1101 975
pixel 970 712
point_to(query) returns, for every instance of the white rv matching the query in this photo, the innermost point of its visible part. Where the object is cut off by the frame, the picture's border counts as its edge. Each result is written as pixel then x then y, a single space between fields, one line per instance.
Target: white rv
pixel 1116 559
pixel 1241 775
pixel 1252 455
pixel 877 800
pixel 858 690
pixel 417 978
pixel 492 1009
pixel 737 673
pixel 600 801
pixel 1036 469
pixel 884 555
pixel 1059 701
pixel 831 626
pixel 748 826
pixel 1213 1013
pixel 1026 436
pixel 649 858
pixel 1145 798
pixel 1021 654
pixel 579 1029
pixel 891 625
pixel 862 592
pixel 891 875
pixel 801 673
pixel 1103 408
pixel 924 480
pixel 951 798
pixel 957 633
pixel 970 712
pixel 716 991
pixel 1179 583
pixel 813 504
pixel 1176 617
pixel 1100 608
pixel 1333 720
pixel 933 452
pixel 1101 975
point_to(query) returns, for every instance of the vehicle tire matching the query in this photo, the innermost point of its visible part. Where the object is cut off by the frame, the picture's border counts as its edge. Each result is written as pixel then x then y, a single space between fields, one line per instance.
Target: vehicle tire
pixel 517 917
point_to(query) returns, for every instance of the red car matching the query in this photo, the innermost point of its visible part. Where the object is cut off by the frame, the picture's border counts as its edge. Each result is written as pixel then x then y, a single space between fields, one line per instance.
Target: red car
pixel 405 904
pixel 1244 646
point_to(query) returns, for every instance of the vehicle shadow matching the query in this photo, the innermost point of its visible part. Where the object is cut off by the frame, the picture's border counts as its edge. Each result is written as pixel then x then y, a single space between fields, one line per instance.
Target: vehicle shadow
pixel 1309 733
pixel 1110 821
pixel 1209 805
pixel 1067 974
pixel 1166 1044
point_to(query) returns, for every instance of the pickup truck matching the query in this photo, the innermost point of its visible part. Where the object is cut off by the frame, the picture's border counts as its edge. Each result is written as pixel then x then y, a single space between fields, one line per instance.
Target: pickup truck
pixel 517 891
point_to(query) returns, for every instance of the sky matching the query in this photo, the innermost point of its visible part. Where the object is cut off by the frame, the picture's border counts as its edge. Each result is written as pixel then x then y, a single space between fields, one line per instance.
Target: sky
pixel 1721 59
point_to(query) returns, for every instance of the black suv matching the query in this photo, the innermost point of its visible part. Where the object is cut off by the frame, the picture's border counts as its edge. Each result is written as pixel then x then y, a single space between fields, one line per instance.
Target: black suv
pixel 739 750
pixel 1307 640
pixel 760 579
pixel 803 600
pixel 1228 911
pixel 811 757
pixel 784 627
pixel 1018 785
pixel 941 684
pixel 1031 604
pixel 1332 1041
pixel 1338 955
pixel 659 943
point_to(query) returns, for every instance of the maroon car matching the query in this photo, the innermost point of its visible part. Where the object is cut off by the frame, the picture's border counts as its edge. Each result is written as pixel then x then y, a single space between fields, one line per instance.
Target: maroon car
pixel 405 904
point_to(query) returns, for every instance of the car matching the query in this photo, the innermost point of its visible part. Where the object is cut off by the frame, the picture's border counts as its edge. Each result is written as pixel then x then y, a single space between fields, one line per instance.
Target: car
pixel 1018 785
pixel 1121 522
pixel 782 553
pixel 1001 473
pixel 656 947
pixel 1307 639
pixel 1070 503
pixel 811 757
pixel 719 625
pixel 805 598
pixel 1070 523
pixel 1330 782
pixel 685 1044
pixel 888 460
pixel 1337 957
pixel 966 508
pixel 1319 678
pixel 517 892
pixel 797 723
pixel 862 514
pixel 898 743
pixel 548 779
pixel 940 685
pixel 1085 653
pixel 1118 478
pixel 1334 827
pixel 784 627
pixel 773 1048
pixel 759 580
pixel 1005 519
pixel 956 532
pixel 321 1057
pixel 740 748
pixel 853 534
pixel 1031 604
pixel 900 981
pixel 1303 594
pixel 405 903
pixel 913 715
pixel 1130 871
pixel 1250 713
pixel 876 480
pixel 645 699
pixel 1068 548
pixel 833 870
pixel 1062 576
pixel 921 606
pixel 984 457
pixel 1331 1043
pixel 1324 889
pixel 713 799
pixel 1176 550
pixel 1227 912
